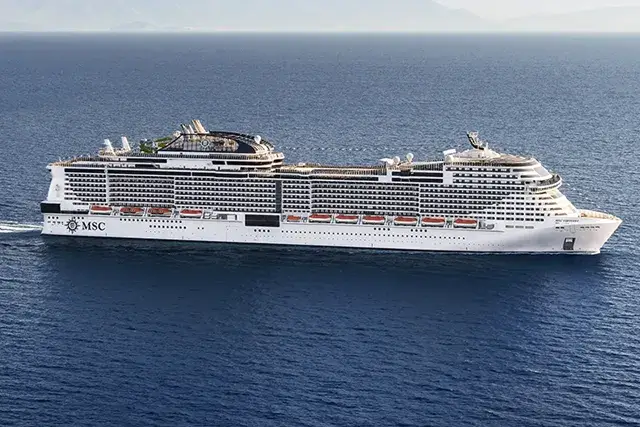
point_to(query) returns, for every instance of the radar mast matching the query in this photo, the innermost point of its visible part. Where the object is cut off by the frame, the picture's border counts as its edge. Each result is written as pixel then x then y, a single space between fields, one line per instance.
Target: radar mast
pixel 474 139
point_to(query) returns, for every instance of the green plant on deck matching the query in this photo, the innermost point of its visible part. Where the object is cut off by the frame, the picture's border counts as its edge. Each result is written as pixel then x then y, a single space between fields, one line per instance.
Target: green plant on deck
pixel 147 148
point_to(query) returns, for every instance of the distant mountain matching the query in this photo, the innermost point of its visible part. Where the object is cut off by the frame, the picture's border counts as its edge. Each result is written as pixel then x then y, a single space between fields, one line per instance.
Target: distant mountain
pixel 611 19
pixel 61 15
pixel 288 15
pixel 235 15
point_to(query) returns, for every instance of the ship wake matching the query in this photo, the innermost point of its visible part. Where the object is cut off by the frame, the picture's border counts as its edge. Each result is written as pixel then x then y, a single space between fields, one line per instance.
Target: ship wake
pixel 8 227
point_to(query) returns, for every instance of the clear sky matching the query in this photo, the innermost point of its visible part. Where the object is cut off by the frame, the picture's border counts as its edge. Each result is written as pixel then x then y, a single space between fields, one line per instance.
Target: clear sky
pixel 501 9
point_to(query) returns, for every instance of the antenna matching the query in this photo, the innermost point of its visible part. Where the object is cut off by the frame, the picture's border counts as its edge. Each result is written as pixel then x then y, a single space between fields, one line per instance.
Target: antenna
pixel 257 139
pixel 396 160
pixel 409 157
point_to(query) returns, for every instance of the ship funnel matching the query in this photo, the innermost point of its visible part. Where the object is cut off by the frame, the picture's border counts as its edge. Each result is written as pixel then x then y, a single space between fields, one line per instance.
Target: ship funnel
pixel 125 144
pixel 198 126
pixel 108 147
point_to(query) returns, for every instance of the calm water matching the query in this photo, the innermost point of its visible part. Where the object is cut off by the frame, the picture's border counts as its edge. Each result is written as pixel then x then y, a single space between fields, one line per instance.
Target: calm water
pixel 141 333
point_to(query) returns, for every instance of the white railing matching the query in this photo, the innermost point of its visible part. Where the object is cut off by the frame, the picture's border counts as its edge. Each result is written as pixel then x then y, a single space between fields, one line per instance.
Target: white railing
pixel 585 213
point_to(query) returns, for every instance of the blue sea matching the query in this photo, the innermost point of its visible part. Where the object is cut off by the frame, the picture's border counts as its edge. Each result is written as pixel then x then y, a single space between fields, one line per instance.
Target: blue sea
pixel 129 333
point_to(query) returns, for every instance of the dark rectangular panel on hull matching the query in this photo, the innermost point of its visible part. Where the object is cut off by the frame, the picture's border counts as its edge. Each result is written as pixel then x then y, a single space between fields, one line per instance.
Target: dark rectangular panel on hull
pixel 85 170
pixel 429 180
pixel 145 160
pixel 50 207
pixel 279 196
pixel 262 220
pixel 147 172
pixel 569 243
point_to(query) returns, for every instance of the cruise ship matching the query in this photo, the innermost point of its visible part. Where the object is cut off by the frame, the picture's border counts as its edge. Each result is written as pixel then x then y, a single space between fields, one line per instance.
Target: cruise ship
pixel 228 187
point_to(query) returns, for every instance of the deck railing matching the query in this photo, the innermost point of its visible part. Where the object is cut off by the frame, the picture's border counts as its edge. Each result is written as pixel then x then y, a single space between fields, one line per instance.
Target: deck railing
pixel 585 213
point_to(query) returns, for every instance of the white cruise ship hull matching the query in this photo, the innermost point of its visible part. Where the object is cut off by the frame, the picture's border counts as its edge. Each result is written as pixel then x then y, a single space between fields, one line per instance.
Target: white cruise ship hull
pixel 578 235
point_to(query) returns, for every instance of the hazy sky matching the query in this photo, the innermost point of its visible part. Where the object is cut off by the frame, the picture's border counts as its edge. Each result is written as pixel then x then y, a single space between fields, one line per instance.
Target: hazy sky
pixel 317 15
pixel 500 9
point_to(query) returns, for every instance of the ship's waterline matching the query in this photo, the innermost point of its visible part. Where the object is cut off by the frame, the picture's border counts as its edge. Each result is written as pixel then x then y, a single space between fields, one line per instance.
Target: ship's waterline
pixel 229 187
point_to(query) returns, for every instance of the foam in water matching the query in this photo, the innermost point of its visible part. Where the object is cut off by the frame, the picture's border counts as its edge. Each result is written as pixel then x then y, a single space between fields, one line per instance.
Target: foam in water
pixel 17 227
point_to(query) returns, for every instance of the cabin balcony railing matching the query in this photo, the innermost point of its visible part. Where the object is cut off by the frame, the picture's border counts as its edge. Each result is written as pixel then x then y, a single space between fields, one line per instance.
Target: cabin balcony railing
pixel 547 184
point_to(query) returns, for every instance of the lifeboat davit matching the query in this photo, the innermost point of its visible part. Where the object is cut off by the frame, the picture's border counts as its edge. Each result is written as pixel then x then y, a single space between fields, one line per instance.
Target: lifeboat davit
pixel 373 219
pixel 101 210
pixel 320 218
pixel 405 220
pixel 159 212
pixel 433 222
pixel 128 211
pixel 347 219
pixel 294 218
pixel 465 223
pixel 191 213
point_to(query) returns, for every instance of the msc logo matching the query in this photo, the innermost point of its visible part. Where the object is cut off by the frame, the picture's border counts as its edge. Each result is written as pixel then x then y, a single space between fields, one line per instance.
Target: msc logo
pixel 73 226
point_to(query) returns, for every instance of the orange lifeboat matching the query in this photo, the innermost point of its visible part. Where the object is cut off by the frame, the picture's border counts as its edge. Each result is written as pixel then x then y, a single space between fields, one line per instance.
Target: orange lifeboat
pixel 347 219
pixel 127 211
pixel 433 222
pixel 294 218
pixel 191 213
pixel 101 210
pixel 465 223
pixel 159 212
pixel 373 219
pixel 320 218
pixel 405 220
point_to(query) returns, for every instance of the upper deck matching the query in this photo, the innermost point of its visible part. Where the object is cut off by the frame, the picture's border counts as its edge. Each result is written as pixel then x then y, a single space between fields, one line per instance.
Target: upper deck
pixel 193 147
pixel 217 142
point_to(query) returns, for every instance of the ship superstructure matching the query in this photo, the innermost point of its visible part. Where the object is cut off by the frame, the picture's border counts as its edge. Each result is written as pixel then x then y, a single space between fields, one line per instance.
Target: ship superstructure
pixel 232 187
